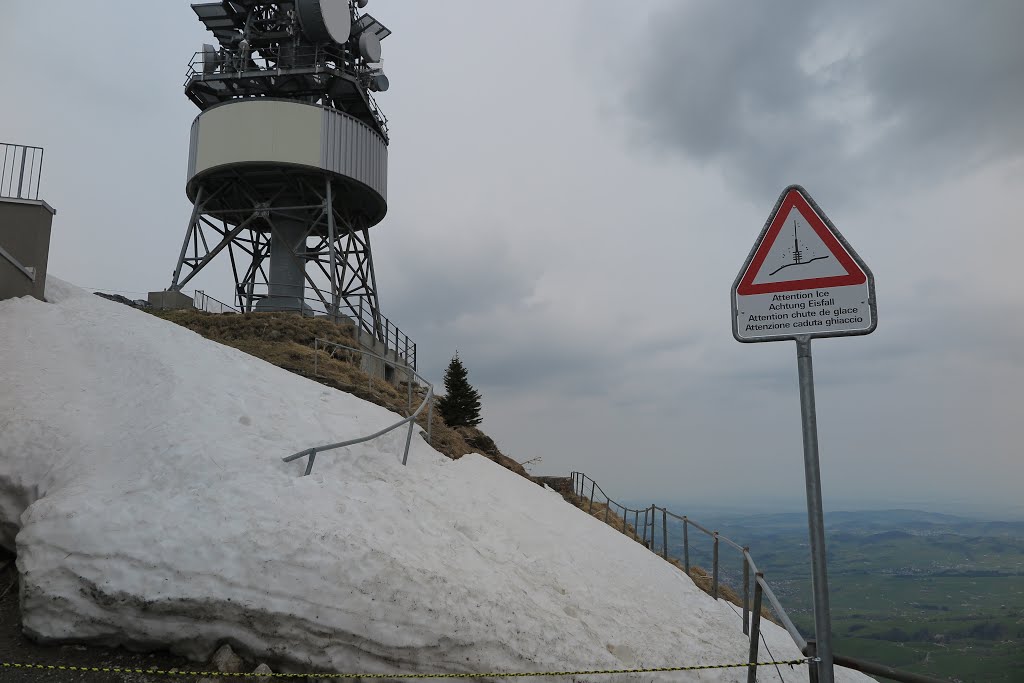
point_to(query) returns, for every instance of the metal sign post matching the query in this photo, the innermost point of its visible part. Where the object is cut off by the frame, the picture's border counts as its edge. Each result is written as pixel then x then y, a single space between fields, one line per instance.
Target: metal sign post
pixel 802 280
pixel 815 514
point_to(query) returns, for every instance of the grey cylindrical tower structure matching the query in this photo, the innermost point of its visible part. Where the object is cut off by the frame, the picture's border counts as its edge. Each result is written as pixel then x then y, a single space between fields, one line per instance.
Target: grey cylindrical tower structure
pixel 287 167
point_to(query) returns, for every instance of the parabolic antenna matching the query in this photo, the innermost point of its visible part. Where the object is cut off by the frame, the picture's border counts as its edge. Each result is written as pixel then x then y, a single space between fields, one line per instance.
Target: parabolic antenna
pixel 369 47
pixel 324 21
pixel 210 59
pixel 379 83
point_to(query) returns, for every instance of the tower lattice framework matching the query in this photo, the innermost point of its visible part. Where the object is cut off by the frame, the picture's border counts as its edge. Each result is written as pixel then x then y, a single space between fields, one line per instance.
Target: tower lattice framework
pixel 287 166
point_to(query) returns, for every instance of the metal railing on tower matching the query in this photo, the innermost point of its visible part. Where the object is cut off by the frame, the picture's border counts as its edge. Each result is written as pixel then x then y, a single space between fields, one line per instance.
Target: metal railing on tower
pixel 21 171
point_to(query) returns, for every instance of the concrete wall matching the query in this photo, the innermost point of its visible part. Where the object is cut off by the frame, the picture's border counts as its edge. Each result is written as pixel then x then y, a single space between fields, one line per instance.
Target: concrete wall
pixel 25 235
pixel 170 300
pixel 393 371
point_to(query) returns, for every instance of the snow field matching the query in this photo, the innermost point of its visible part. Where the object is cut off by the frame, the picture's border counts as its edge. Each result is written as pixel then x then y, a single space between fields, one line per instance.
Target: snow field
pixel 142 486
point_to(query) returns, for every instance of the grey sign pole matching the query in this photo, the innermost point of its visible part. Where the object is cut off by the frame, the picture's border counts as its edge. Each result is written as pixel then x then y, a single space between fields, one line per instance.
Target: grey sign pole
pixel 815 515
pixel 802 280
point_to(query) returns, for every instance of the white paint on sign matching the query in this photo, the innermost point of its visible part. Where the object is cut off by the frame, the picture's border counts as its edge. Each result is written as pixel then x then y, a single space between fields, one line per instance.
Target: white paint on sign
pixel 798 254
pixel 786 314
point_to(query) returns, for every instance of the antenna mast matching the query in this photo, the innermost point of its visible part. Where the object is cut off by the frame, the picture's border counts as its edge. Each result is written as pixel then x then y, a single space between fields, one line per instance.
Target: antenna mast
pixel 287 159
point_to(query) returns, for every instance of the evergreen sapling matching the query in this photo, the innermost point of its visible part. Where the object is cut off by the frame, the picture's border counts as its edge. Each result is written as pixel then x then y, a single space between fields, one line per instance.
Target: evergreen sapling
pixel 460 406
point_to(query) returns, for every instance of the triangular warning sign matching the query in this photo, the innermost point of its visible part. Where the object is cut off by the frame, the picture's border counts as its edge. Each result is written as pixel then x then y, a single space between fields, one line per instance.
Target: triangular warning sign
pixel 798 251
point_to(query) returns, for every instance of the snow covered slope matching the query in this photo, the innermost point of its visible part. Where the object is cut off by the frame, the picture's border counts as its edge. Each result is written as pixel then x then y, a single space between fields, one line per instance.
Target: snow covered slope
pixel 141 482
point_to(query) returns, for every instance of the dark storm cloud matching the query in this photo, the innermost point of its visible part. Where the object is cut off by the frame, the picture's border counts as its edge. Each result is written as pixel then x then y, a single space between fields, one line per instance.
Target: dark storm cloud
pixel 476 297
pixel 834 94
pixel 427 286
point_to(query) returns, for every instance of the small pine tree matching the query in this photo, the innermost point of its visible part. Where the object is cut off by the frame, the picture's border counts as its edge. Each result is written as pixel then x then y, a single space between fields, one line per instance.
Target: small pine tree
pixel 460 406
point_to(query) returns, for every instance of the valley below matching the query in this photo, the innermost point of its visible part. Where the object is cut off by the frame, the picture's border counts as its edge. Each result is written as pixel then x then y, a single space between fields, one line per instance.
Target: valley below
pixel 929 593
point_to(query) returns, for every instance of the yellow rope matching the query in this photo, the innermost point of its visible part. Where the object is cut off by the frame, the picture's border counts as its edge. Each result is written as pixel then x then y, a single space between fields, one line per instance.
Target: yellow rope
pixel 595 672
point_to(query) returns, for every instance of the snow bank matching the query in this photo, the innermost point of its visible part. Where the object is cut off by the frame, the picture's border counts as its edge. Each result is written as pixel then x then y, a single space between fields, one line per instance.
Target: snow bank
pixel 141 482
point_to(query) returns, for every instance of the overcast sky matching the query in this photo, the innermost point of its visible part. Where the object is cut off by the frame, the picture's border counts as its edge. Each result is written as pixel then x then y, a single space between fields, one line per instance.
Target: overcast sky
pixel 574 186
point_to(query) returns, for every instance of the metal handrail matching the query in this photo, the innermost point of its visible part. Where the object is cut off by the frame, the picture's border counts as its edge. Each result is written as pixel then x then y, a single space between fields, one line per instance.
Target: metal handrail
pixel 28 271
pixel 400 345
pixel 781 613
pixel 762 589
pixel 202 300
pixel 270 61
pixel 411 420
pixel 21 164
pixel 884 671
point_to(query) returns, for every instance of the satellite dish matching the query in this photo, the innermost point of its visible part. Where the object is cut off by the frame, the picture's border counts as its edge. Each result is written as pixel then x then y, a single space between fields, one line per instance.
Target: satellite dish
pixel 369 47
pixel 210 59
pixel 325 21
pixel 362 3
pixel 379 83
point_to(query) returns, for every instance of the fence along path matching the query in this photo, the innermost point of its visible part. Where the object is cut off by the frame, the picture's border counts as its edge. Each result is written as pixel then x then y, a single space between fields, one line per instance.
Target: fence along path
pixel 644 524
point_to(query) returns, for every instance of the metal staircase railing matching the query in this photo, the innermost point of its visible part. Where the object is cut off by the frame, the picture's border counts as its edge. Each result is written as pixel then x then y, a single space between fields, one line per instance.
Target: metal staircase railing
pixel 586 488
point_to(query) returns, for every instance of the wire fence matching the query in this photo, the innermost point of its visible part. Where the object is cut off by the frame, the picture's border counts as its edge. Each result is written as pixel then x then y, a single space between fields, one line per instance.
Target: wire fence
pixel 652 527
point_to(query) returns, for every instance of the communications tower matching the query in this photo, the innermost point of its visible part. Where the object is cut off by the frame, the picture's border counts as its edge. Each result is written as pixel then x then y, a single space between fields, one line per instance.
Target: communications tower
pixel 287 163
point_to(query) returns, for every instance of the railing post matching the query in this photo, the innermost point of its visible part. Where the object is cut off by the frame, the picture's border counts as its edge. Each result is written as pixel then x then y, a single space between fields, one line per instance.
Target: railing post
pixel 624 511
pixel 714 568
pixel 21 176
pixel 607 507
pixel 664 533
pixel 309 465
pixel 408 377
pixel 746 592
pixel 359 326
pixel 316 356
pixel 686 544
pixel 408 441
pixel 654 527
pixel 755 631
pixel 430 421
pixel 812 667
pixel 590 506
pixel 39 173
pixel 644 534
pixel 636 522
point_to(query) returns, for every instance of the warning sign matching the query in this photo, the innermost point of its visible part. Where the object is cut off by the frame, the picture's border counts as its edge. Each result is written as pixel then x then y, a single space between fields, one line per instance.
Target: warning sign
pixel 802 279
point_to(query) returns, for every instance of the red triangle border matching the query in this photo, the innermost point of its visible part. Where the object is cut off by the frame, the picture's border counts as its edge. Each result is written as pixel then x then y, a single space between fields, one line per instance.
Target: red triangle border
pixel 795 199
